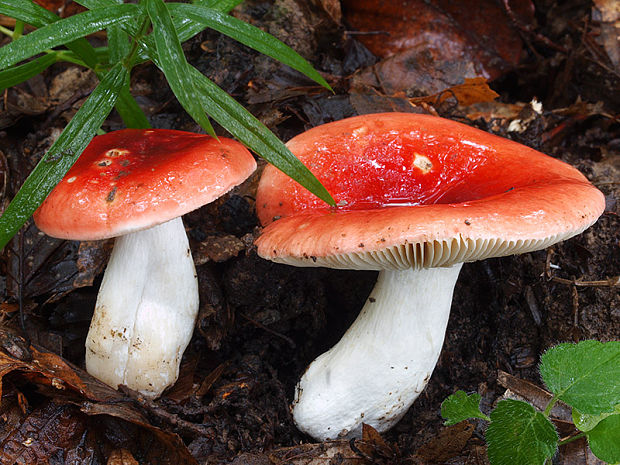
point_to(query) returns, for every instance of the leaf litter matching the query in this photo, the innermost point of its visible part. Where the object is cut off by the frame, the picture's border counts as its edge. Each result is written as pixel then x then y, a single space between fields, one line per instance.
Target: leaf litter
pixel 240 372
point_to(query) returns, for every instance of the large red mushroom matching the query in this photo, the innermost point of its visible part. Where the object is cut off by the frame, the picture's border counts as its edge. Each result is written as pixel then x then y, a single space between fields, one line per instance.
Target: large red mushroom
pixel 135 185
pixel 417 197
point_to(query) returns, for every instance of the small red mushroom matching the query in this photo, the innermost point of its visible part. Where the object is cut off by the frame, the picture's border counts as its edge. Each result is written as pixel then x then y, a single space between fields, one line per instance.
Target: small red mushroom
pixel 135 185
pixel 418 196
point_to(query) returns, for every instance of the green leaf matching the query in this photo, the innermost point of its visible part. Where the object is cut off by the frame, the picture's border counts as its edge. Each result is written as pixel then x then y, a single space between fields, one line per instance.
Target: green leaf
pixel 248 35
pixel 101 54
pixel 585 375
pixel 586 422
pixel 225 6
pixel 518 434
pixel 173 64
pixel 460 406
pixel 127 107
pixel 118 42
pixel 21 73
pixel 31 13
pixel 604 439
pixel 28 12
pixel 236 119
pixel 63 31
pixel 63 153
pixel 245 127
pixel 130 111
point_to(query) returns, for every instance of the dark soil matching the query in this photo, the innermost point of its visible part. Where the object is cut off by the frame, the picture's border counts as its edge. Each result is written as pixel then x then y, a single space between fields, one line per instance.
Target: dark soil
pixel 261 323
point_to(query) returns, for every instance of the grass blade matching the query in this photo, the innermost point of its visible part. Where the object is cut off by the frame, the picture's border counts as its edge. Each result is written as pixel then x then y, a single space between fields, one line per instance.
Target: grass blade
pixel 225 6
pixel 28 12
pixel 21 73
pixel 118 43
pixel 248 35
pixel 173 63
pixel 63 153
pixel 37 16
pixel 63 31
pixel 245 127
pixel 130 111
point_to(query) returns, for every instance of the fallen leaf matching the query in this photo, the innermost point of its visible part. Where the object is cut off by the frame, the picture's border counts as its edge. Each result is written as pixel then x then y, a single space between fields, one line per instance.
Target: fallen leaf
pixel 449 443
pixel 40 265
pixel 332 8
pixel 373 444
pixel 416 72
pixel 473 90
pixel 122 457
pixel 534 395
pixel 607 13
pixel 217 249
pixel 317 454
pixel 78 403
pixel 479 29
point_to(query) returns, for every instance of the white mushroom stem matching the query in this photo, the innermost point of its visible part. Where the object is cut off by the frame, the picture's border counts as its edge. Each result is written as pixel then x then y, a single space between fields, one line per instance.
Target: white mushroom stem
pixel 384 360
pixel 146 310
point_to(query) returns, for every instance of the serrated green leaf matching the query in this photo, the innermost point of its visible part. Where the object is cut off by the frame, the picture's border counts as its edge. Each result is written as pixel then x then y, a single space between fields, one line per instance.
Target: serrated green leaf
pixel 604 439
pixel 518 434
pixel 173 63
pixel 460 406
pixel 585 375
pixel 63 153
pixel 13 76
pixel 586 422
pixel 245 127
pixel 248 35
pixel 63 31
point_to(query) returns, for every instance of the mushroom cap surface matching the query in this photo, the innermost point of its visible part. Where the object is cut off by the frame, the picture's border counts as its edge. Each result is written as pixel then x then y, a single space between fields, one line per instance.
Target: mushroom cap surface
pixel 134 179
pixel 418 191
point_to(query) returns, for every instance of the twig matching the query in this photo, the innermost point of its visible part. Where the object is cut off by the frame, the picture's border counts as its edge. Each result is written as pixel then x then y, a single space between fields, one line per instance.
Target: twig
pixel 271 331
pixel 171 418
pixel 609 282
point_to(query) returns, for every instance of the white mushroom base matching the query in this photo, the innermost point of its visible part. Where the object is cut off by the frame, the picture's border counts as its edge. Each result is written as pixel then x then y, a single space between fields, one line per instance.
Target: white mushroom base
pixel 146 310
pixel 384 360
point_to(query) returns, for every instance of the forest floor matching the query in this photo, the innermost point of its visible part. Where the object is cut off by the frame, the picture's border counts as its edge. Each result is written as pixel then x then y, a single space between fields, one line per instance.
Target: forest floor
pixel 260 323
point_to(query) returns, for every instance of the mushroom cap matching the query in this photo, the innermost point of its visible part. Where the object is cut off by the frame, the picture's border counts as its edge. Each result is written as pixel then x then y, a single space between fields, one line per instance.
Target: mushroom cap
pixel 418 191
pixel 134 179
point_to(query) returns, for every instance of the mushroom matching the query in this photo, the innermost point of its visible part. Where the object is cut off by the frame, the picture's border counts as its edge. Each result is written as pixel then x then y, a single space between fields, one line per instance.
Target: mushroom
pixel 418 195
pixel 135 185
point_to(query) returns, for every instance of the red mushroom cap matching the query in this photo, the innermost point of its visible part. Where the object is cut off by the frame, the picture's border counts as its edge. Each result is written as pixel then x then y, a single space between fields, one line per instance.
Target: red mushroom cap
pixel 133 179
pixel 421 191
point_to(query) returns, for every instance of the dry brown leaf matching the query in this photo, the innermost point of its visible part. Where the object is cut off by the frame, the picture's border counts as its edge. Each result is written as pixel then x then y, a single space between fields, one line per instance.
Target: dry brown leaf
pixel 607 12
pixel 534 395
pixel 577 453
pixel 122 457
pixel 449 443
pixel 46 367
pixel 477 30
pixel 317 454
pixel 473 90
pixel 372 443
pixel 217 249
pixel 332 8
pixel 57 379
